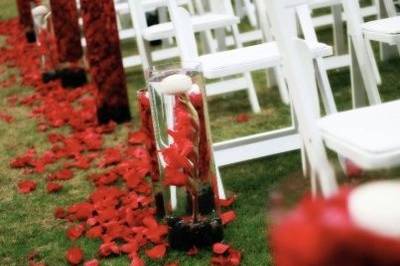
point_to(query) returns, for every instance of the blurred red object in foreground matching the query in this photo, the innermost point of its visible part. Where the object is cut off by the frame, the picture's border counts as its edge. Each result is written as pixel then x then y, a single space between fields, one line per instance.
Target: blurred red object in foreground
pixel 320 232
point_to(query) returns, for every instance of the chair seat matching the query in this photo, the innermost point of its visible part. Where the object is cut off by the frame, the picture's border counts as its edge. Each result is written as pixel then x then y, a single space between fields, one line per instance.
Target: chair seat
pixel 387 25
pixel 383 30
pixel 368 136
pixel 200 23
pixel 255 57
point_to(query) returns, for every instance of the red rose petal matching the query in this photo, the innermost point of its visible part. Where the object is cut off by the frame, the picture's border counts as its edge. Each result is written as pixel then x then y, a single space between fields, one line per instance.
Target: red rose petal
pixel 74 232
pixel 94 232
pixel 93 262
pixel 26 186
pixel 242 118
pixel 60 213
pixel 220 248
pixel 228 217
pixel 106 249
pixel 136 261
pixel 157 252
pixel 74 255
pixel 227 202
pixel 53 187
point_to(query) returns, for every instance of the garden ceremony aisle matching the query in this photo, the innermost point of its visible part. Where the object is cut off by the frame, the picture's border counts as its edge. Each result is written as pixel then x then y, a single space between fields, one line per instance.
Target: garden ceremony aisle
pixel 37 118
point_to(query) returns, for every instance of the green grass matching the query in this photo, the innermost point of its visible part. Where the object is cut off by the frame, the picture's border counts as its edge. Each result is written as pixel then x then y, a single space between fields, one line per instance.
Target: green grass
pixel 27 223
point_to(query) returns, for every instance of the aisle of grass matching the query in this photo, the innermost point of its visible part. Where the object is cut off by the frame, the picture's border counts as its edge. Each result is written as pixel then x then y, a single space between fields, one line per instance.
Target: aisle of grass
pixel 27 223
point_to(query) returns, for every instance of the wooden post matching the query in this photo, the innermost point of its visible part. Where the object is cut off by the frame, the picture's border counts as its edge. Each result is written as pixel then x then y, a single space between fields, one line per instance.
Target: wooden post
pixel 26 20
pixel 68 38
pixel 104 56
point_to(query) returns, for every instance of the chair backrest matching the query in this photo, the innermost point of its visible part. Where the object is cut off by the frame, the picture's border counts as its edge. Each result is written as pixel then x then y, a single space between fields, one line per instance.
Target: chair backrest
pixel 222 6
pixel 294 11
pixel 354 17
pixel 390 8
pixel 140 7
pixel 184 34
pixel 300 75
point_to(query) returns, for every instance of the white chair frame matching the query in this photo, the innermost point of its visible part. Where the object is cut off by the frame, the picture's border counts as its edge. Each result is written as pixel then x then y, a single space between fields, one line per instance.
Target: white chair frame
pixel 386 9
pixel 316 132
pixel 138 9
pixel 255 146
pixel 364 70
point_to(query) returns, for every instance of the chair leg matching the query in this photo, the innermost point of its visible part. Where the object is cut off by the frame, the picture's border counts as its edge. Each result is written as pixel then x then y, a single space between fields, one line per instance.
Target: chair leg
pixel 364 86
pixel 373 62
pixel 163 17
pixel 280 82
pixel 305 164
pixel 251 91
pixel 324 86
pixel 174 197
pixel 220 35
pixel 338 30
pixel 220 185
pixel 251 14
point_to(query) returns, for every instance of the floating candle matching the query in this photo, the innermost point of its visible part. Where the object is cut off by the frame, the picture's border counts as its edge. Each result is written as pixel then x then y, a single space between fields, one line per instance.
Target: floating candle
pixel 376 207
pixel 39 13
pixel 175 84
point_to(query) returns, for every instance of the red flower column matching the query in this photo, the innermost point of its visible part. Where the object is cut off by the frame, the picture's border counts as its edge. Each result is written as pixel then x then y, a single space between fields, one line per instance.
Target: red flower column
pixel 104 55
pixel 68 37
pixel 25 19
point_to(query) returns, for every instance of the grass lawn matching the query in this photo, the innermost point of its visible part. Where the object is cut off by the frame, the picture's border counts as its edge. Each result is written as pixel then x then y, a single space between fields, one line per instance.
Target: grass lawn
pixel 27 222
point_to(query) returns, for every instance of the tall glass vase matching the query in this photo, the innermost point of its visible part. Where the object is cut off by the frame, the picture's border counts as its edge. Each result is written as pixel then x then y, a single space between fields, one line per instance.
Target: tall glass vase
pixel 185 158
pixel 46 43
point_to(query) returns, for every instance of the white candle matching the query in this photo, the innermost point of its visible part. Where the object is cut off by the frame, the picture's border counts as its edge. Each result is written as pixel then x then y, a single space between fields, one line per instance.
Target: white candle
pixel 376 207
pixel 175 84
pixel 38 13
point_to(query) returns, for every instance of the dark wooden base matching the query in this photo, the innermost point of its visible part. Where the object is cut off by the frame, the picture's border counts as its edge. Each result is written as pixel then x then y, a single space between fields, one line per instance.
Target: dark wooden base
pixel 186 235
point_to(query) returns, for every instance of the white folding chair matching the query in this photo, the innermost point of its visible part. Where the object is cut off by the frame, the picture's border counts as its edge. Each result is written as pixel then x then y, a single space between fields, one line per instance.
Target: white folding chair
pixel 145 33
pixel 256 57
pixel 368 136
pixel 302 16
pixel 364 71
pixel 222 9
pixel 385 30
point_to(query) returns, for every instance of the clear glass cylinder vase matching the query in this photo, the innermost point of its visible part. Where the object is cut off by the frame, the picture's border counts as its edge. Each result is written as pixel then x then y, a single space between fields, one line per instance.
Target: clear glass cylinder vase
pixel 185 156
pixel 46 42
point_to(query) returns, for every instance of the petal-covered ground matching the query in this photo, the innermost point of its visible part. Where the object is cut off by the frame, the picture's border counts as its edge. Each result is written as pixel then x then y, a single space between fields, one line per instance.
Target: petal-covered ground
pixel 119 211
pixel 69 190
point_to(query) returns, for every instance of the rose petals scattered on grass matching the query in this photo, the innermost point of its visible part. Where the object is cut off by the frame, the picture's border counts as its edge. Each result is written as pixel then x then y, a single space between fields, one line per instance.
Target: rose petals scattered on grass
pixel 26 186
pixel 231 257
pixel 120 217
pixel 62 175
pixel 6 117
